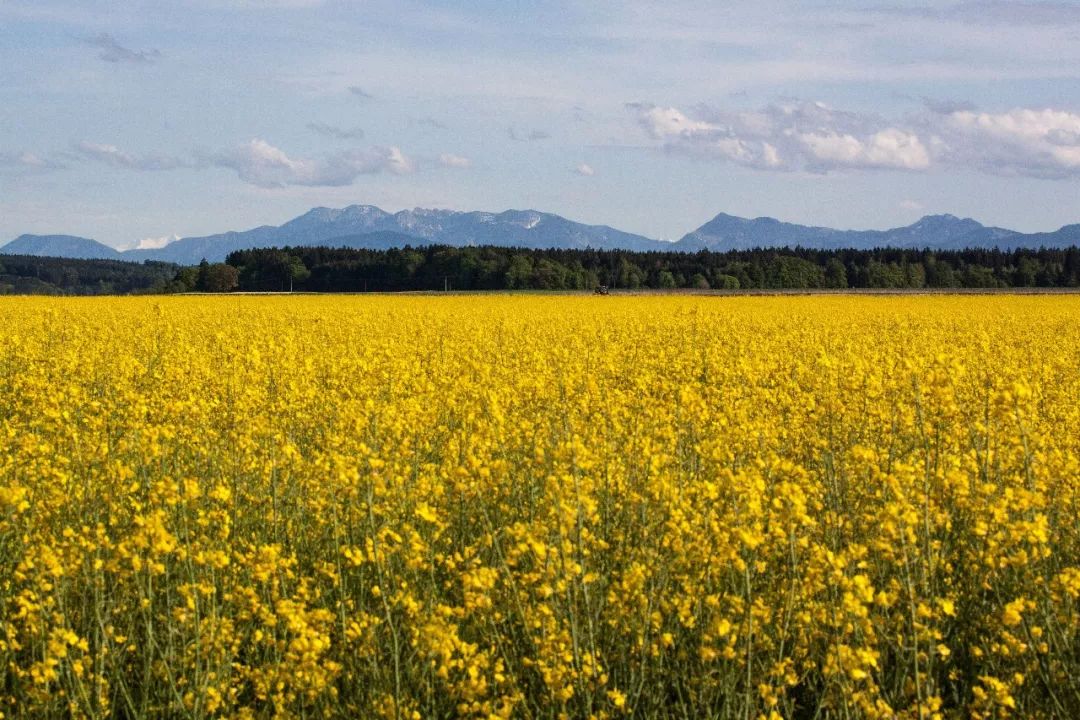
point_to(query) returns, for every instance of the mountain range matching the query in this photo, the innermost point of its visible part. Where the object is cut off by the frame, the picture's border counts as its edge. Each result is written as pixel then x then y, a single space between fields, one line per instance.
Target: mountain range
pixel 366 226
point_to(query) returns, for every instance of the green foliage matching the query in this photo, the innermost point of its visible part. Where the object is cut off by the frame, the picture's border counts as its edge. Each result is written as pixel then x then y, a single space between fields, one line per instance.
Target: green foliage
pixel 794 272
pixel 629 275
pixel 187 279
pixel 835 274
pixel 727 282
pixel 32 275
pixel 519 274
pixel 321 269
pixel 497 268
pixel 885 275
pixel 222 277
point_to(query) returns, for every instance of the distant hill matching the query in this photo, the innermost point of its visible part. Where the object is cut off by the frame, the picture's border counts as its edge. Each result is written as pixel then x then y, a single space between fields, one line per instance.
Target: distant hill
pixel 66 246
pixel 368 227
pixel 189 251
pixel 938 232
pixel 324 226
pixel 1066 236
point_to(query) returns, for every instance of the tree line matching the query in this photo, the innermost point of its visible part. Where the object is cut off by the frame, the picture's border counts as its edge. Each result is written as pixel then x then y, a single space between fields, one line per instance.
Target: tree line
pixel 32 275
pixel 324 269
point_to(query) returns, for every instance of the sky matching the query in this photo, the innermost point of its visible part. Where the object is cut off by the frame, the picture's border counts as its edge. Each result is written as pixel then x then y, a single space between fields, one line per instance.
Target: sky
pixel 137 122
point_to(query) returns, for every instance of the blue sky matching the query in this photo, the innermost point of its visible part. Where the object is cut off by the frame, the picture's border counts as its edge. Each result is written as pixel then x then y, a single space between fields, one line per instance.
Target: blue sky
pixel 133 122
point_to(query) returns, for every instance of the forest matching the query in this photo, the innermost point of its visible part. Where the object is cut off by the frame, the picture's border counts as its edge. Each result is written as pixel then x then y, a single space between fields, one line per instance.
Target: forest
pixel 324 269
pixel 32 275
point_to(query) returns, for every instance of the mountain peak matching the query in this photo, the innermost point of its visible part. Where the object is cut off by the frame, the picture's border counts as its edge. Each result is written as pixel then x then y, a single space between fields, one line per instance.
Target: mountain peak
pixel 367 226
pixel 60 246
pixel 362 211
pixel 326 214
pixel 942 232
pixel 946 218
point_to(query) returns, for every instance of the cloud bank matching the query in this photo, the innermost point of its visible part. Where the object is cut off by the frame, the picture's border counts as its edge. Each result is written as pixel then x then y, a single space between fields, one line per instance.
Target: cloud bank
pixel 815 138
pixel 1034 143
pixel 112 155
pixel 260 163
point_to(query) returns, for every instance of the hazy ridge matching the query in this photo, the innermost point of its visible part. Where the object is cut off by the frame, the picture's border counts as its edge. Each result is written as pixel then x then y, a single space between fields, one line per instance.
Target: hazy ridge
pixel 366 226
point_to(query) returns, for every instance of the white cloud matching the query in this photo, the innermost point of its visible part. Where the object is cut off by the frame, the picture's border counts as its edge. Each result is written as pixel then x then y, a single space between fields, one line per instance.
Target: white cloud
pixel 453 161
pixel 260 163
pixel 112 155
pixel 888 148
pixel 816 138
pixel 585 169
pixel 807 136
pixel 149 243
pixel 910 205
pixel 152 243
pixel 1038 143
pixel 663 123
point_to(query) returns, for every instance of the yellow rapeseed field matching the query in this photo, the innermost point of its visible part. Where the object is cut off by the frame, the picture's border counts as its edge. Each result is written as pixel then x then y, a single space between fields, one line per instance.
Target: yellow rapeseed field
pixel 540 507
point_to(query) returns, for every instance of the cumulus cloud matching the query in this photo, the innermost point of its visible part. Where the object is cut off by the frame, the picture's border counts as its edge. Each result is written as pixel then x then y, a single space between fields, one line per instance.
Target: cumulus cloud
pixel 806 136
pixel 816 138
pixel 112 155
pixel 333 131
pixel 114 52
pixel 260 163
pixel 453 161
pixel 888 148
pixel 1037 143
pixel 585 169
pixel 662 123
pixel 152 243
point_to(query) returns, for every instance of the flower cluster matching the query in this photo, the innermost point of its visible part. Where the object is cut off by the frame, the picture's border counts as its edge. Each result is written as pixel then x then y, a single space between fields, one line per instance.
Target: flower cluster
pixel 540 507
